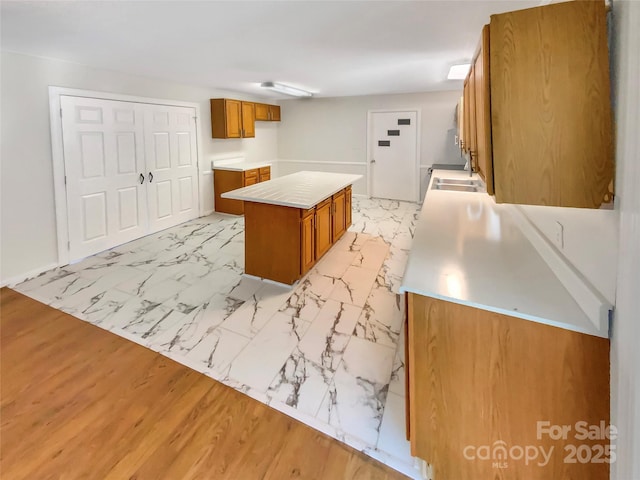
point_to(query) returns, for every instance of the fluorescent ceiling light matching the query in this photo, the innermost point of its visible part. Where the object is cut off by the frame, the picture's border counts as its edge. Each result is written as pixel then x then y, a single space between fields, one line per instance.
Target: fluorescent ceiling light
pixel 287 90
pixel 458 72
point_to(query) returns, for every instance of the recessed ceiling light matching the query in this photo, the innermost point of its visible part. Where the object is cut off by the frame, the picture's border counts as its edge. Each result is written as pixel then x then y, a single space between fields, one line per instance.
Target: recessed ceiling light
pixel 287 90
pixel 458 72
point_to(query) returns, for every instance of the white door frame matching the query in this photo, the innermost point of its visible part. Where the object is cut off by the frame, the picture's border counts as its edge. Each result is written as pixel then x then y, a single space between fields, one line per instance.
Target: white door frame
pixel 370 136
pixel 57 151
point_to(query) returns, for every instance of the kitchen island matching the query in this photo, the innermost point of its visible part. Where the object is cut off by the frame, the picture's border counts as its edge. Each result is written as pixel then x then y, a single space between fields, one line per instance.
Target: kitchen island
pixel 496 348
pixel 291 221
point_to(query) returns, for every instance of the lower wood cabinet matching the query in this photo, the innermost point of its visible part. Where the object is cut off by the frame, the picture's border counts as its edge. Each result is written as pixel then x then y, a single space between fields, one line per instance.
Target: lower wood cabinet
pixel 324 239
pixel 308 240
pixel 283 243
pixel 227 180
pixel 347 208
pixel 480 383
pixel 338 203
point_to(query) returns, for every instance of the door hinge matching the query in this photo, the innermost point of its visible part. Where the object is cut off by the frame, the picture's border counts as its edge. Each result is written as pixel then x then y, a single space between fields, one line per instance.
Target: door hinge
pixel 65 179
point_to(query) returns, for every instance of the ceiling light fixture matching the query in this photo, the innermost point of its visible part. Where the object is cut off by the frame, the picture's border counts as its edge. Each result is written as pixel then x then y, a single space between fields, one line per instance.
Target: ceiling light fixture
pixel 458 72
pixel 287 90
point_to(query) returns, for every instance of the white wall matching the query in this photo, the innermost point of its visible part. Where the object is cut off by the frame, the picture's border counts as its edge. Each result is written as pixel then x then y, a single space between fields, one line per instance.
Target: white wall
pixel 28 229
pixel 590 241
pixel 625 356
pixel 332 132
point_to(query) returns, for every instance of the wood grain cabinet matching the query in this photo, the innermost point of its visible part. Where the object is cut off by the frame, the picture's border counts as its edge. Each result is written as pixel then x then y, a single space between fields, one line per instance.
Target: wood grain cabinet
pixel 232 118
pixel 265 174
pixel 338 214
pixel 539 125
pixel 283 243
pixel 269 113
pixel 323 227
pixel 478 378
pixel 308 240
pixel 348 206
pixel 227 180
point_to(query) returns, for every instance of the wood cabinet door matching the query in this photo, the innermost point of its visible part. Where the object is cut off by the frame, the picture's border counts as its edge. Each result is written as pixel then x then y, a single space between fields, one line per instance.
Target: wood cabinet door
pixel 347 207
pixel 233 118
pixel 484 155
pixel 307 240
pixel 274 113
pixel 465 116
pixel 550 105
pixel 262 111
pixel 265 174
pixel 248 119
pixel 338 215
pixel 323 228
pixel 225 181
pixel 473 145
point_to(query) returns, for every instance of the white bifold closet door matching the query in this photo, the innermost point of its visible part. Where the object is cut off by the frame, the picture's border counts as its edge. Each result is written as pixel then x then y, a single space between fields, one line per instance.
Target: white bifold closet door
pixel 130 170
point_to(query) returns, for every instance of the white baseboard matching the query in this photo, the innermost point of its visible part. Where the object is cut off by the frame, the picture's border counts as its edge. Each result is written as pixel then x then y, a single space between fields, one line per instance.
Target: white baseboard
pixel 13 281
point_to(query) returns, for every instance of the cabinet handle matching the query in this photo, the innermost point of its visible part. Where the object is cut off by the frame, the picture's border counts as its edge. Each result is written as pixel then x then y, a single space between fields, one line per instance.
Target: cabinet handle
pixel 141 179
pixel 150 177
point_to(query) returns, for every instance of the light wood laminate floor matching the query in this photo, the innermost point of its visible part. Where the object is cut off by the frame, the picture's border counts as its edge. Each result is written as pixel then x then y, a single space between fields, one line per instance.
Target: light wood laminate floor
pixel 79 402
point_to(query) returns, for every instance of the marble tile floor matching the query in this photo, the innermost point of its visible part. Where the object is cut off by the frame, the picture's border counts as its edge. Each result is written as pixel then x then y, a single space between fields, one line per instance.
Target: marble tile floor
pixel 327 351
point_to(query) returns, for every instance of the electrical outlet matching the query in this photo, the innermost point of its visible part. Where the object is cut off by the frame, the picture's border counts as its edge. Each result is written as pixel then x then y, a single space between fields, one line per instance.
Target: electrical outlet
pixel 559 235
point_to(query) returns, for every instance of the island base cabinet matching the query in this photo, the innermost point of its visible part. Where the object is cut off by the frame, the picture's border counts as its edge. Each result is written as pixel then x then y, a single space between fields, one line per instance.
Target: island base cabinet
pixel 308 241
pixel 283 243
pixel 272 242
pixel 323 227
pixel 485 388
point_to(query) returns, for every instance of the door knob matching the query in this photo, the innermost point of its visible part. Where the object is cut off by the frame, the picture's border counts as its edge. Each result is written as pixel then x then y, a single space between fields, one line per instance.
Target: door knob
pixel 373 161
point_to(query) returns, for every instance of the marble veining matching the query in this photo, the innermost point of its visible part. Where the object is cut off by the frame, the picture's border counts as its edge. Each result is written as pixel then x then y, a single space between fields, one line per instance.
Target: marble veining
pixel 327 351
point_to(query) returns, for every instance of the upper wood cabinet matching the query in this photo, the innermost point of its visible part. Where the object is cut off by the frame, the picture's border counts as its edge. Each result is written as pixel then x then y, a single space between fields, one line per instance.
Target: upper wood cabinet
pixel 266 112
pixel 482 97
pixel 248 119
pixel 550 105
pixel 232 118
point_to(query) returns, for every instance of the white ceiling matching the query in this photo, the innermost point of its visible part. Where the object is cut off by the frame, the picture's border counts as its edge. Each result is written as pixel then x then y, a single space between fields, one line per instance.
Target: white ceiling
pixel 329 48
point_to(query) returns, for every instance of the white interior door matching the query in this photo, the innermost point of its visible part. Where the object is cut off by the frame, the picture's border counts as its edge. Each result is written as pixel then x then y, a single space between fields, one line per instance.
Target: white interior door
pixel 104 157
pixel 393 149
pixel 172 171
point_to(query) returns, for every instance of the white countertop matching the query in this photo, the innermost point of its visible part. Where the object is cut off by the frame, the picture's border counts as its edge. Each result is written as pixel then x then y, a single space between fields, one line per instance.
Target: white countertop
pixel 241 166
pixel 469 250
pixel 298 190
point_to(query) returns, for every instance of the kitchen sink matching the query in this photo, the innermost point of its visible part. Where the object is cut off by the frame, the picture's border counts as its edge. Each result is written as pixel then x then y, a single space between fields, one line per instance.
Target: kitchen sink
pixel 455 188
pixel 456 181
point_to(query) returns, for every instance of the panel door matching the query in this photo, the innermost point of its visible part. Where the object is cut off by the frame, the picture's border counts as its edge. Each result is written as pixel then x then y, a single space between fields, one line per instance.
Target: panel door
pixel 338 217
pixel 233 118
pixel 171 165
pixel 248 119
pixel 262 111
pixel 104 158
pixel 307 235
pixel 323 228
pixel 347 207
pixel 394 155
pixel 483 112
